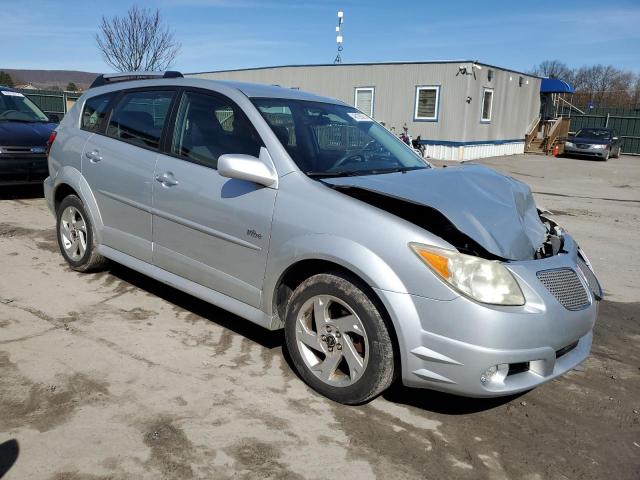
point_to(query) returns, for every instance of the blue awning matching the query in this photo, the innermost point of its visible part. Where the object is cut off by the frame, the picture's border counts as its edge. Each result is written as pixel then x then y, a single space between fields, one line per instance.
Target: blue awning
pixel 555 85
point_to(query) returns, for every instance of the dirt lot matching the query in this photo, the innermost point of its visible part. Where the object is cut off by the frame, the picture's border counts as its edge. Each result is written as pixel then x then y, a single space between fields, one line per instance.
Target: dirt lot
pixel 114 375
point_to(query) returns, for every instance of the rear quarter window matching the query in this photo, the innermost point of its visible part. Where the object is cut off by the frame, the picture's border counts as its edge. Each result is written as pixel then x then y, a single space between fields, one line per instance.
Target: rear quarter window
pixel 94 111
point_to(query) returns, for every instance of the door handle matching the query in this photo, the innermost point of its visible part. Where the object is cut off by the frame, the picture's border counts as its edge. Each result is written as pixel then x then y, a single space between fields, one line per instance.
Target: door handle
pixel 167 179
pixel 93 156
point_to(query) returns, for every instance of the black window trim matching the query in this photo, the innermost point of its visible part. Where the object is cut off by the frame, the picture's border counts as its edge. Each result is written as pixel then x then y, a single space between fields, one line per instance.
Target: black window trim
pixel 168 138
pixel 116 100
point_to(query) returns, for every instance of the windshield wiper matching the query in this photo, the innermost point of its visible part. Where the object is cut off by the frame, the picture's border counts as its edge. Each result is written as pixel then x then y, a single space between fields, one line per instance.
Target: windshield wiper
pixel 345 173
pixel 357 173
pixel 381 171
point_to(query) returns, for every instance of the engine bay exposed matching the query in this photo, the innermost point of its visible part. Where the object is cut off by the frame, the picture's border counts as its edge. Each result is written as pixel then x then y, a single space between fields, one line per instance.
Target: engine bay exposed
pixel 435 222
pixel 555 239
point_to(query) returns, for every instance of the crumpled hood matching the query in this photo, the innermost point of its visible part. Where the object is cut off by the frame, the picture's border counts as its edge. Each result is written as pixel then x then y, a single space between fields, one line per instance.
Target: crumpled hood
pixel 22 134
pixel 496 211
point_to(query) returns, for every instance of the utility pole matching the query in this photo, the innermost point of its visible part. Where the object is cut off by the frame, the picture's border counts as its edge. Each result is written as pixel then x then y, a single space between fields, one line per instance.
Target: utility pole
pixel 338 59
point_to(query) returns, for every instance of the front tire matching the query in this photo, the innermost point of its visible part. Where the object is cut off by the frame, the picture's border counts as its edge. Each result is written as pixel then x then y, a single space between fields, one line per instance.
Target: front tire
pixel 75 236
pixel 617 155
pixel 338 339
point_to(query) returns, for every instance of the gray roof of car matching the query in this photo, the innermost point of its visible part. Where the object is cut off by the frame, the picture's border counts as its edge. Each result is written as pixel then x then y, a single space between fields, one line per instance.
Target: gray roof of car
pixel 273 91
pixel 252 90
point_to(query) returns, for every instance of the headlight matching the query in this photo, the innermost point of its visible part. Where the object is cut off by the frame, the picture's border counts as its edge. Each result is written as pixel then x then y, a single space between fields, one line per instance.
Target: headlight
pixel 486 281
pixel 598 147
pixel 569 144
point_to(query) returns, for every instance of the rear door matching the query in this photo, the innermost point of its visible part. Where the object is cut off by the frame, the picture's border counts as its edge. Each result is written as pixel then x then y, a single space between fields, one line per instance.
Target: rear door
pixel 119 162
pixel 207 228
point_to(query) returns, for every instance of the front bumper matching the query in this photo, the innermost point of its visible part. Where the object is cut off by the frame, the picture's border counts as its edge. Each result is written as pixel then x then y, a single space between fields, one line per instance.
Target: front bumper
pixel 587 152
pixel 23 170
pixel 447 345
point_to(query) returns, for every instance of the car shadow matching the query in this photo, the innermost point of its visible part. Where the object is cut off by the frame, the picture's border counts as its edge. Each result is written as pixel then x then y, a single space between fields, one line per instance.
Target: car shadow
pixel 21 192
pixel 255 333
pixel 429 400
pixel 444 403
pixel 9 452
pixel 588 158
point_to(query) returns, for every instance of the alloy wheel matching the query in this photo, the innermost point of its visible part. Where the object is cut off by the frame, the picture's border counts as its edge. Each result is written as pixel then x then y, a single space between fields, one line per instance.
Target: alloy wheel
pixel 332 340
pixel 73 233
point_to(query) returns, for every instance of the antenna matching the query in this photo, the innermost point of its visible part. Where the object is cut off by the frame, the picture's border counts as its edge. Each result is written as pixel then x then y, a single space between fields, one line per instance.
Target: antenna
pixel 338 59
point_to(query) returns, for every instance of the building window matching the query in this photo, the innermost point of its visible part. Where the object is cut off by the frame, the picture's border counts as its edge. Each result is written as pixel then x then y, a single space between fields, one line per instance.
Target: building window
pixel 364 98
pixel 427 103
pixel 487 105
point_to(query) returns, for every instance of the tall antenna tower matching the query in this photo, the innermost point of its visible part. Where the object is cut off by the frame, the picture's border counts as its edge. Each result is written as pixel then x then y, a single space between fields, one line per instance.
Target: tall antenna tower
pixel 339 36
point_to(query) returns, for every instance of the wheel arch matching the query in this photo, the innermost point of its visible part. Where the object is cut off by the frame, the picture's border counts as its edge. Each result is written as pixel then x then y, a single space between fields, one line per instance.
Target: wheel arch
pixel 303 269
pixel 324 254
pixel 69 181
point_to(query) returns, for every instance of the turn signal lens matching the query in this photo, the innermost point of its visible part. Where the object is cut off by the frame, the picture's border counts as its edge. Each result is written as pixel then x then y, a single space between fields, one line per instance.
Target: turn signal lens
pixel 487 281
pixel 438 262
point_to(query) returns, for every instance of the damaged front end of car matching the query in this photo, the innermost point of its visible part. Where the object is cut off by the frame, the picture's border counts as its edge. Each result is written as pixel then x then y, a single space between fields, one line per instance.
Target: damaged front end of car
pixel 527 295
pixel 480 213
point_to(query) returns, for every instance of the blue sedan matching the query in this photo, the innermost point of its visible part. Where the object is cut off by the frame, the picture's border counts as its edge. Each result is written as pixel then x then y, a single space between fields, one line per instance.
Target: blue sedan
pixel 599 143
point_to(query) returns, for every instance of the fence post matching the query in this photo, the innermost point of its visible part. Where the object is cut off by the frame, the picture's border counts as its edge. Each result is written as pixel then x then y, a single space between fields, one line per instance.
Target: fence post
pixel 606 123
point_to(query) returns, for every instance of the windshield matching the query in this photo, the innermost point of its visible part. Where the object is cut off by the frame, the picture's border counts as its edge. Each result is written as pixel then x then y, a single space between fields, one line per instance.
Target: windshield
pixel 325 139
pixel 15 107
pixel 594 133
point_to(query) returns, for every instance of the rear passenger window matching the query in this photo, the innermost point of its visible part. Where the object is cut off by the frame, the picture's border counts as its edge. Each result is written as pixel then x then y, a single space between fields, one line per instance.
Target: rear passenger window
pixel 208 126
pixel 94 111
pixel 139 117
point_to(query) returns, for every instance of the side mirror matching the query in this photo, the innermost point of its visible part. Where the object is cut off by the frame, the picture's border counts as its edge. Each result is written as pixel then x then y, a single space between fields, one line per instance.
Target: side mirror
pixel 54 117
pixel 249 168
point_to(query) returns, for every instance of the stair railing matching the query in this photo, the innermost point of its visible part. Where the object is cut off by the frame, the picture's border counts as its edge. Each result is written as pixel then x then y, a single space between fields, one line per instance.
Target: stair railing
pixel 531 134
pixel 559 130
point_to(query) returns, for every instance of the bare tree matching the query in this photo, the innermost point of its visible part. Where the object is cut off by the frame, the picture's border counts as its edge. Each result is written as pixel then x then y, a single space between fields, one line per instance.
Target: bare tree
pixel 137 41
pixel 552 69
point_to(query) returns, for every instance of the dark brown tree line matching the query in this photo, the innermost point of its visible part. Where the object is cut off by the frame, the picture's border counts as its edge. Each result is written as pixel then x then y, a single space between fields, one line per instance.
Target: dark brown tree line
pixel 599 85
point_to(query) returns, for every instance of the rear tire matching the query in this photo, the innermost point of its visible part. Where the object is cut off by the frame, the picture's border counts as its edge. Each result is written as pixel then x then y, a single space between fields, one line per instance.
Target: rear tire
pixel 338 339
pixel 75 235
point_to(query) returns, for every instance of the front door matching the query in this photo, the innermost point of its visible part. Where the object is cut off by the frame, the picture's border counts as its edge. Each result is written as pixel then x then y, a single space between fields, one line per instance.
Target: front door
pixel 119 164
pixel 207 228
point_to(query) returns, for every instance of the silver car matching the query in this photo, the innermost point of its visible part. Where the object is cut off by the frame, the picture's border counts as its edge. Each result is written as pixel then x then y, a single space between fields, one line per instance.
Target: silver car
pixel 299 212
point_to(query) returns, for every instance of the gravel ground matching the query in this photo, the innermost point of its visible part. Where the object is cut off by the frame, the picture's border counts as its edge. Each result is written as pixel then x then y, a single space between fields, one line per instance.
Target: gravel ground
pixel 116 376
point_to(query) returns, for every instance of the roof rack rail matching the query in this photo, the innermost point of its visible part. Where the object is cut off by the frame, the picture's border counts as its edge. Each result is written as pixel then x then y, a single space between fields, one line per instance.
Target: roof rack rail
pixel 108 78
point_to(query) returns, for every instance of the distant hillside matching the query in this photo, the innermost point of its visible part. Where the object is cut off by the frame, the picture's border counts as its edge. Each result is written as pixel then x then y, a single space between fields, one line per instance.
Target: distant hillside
pixel 48 78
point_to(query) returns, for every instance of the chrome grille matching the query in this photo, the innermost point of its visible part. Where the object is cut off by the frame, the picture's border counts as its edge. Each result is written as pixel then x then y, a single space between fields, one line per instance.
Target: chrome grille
pixel 592 281
pixel 564 284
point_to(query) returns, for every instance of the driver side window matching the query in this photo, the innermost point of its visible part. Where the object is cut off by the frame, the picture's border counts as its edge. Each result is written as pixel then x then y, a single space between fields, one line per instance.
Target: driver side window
pixel 208 126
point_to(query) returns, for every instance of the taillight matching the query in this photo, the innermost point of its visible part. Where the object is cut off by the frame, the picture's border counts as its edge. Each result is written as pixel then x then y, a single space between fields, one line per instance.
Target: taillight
pixel 52 138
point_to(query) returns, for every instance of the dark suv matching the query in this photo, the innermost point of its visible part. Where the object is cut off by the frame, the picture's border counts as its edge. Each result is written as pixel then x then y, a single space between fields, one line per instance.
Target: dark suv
pixel 24 133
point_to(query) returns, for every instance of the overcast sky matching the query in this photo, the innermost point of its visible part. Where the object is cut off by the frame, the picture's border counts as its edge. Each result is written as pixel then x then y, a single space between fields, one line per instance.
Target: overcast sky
pixel 224 34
